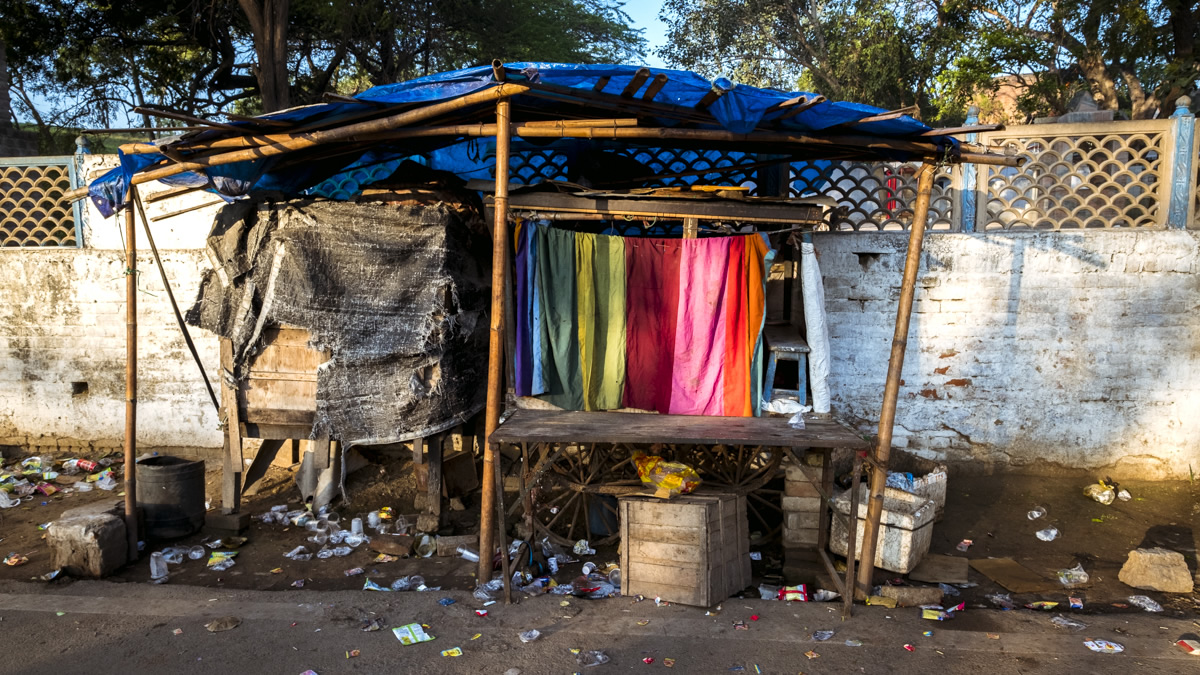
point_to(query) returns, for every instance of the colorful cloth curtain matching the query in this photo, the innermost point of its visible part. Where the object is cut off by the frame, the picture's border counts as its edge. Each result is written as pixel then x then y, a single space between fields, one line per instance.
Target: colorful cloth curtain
pixel 671 325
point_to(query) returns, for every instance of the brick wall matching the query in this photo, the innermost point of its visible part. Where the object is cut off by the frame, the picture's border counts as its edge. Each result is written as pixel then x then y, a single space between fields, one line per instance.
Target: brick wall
pixel 1041 350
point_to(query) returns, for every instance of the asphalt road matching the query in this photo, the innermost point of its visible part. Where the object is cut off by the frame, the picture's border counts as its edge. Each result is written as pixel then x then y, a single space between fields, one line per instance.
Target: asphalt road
pixel 122 628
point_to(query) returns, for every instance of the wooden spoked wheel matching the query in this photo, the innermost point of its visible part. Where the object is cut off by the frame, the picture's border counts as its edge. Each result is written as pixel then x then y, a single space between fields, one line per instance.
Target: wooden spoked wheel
pixel 743 469
pixel 573 491
pixel 571 488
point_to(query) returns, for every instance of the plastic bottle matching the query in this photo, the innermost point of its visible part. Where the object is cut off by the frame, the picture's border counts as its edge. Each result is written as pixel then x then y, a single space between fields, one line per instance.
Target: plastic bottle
pixel 172 555
pixel 1036 513
pixel 158 567
pixel 1048 534
pixel 467 554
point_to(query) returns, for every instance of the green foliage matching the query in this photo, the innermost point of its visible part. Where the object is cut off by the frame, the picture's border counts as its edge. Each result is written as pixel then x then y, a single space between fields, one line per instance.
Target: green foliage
pixel 86 63
pixel 1135 56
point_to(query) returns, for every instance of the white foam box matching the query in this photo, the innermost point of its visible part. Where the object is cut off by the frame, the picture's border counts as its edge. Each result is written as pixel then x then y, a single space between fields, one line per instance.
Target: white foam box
pixel 691 550
pixel 905 528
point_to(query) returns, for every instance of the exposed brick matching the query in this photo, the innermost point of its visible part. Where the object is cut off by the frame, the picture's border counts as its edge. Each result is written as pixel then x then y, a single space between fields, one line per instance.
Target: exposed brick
pixel 800 504
pixel 799 488
pixel 803 538
pixel 800 520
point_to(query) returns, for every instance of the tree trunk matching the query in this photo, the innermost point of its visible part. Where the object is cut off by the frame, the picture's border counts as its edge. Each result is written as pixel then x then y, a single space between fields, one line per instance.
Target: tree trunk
pixel 269 23
pixel 1103 86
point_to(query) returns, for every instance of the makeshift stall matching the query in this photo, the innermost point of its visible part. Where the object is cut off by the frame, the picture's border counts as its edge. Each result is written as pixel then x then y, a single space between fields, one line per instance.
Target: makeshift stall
pixel 584 116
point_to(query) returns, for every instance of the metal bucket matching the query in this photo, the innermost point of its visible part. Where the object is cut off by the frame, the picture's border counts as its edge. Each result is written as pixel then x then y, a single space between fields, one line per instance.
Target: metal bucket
pixel 170 492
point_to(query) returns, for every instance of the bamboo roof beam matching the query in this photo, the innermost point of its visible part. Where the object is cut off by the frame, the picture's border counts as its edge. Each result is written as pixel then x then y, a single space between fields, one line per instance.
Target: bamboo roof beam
pixel 883 117
pixel 346 133
pixel 639 78
pixel 656 85
pixel 798 108
pixel 956 131
pixel 190 119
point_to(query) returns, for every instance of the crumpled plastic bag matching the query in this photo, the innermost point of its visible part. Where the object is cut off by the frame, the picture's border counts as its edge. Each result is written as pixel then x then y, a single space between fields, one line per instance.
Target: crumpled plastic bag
pixel 670 479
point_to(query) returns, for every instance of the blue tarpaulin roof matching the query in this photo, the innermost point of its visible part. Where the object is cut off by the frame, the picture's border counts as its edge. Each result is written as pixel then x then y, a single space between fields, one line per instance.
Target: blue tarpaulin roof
pixel 739 109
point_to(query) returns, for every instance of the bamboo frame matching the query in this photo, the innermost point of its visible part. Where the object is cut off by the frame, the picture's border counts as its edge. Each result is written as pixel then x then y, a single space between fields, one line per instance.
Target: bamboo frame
pixel 495 381
pixel 131 384
pixel 891 389
pixel 289 143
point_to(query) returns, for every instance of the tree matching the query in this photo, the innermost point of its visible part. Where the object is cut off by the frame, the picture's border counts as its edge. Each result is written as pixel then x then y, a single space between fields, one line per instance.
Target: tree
pixel 882 52
pixel 90 61
pixel 1133 55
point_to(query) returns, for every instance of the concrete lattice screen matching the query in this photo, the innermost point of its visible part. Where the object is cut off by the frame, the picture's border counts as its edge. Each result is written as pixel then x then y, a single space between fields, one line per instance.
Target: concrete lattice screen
pixel 32 211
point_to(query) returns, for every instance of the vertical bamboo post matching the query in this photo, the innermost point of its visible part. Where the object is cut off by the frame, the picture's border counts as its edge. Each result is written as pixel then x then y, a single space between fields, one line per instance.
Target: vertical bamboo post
pixel 891 389
pixel 495 383
pixel 131 520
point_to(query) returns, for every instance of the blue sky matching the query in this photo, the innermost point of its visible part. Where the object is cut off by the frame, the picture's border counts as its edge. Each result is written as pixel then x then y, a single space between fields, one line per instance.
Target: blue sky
pixel 645 15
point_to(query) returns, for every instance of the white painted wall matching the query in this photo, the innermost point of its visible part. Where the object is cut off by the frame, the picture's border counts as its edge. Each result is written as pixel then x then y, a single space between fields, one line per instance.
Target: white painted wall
pixel 62 321
pixel 1055 349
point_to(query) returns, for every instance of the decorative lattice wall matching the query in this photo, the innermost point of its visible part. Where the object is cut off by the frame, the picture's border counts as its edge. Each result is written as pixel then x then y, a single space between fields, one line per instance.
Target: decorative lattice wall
pixel 1076 176
pixel 874 197
pixel 32 209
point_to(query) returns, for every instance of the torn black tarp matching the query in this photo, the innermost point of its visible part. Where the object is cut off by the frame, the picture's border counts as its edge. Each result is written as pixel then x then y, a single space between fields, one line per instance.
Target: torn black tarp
pixel 394 287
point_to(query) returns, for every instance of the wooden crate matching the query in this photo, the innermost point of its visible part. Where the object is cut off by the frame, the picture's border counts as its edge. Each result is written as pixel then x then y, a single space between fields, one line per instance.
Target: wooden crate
pixel 693 549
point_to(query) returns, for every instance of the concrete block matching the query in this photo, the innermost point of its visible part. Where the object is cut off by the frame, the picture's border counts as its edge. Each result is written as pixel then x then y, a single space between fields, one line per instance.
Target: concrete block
pixel 802 473
pixel 1156 569
pixel 114 506
pixel 90 546
pixel 800 504
pixel 803 538
pixel 799 488
pixel 447 546
pixel 216 522
pixel 913 596
pixel 802 520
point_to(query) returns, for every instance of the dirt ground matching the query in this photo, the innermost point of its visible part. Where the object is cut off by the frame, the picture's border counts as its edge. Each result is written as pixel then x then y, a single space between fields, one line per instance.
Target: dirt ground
pixel 990 510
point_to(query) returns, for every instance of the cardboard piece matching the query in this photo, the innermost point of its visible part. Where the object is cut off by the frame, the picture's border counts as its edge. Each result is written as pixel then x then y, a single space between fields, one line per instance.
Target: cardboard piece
pixel 1013 576
pixel 941 569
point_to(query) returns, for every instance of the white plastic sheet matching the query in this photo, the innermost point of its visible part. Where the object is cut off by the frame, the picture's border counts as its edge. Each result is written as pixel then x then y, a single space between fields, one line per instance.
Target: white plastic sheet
pixel 813 291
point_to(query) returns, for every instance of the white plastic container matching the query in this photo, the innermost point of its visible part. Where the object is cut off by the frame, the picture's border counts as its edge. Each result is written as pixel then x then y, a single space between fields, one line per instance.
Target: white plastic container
pixel 905 528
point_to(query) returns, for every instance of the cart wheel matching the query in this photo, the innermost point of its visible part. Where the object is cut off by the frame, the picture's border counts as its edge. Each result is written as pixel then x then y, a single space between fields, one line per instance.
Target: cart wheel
pixel 573 492
pixel 746 470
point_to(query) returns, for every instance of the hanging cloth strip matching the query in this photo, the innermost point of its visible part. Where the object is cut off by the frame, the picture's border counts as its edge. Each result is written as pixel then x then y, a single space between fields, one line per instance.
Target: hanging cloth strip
pixel 652 306
pixel 600 284
pixel 555 274
pixel 670 325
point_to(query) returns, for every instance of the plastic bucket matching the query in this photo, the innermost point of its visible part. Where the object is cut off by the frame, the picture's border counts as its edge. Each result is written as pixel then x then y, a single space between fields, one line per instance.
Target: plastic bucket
pixel 170 492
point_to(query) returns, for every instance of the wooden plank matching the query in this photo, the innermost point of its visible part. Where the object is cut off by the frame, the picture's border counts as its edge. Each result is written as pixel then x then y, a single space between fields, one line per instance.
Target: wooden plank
pixel 668 535
pixel 665 575
pixel 665 513
pixel 286 335
pixel 258 468
pixel 706 209
pixel 276 431
pixel 231 483
pixel 433 484
pixel 642 550
pixel 279 394
pixel 561 426
pixel 785 339
pixel 280 417
pixel 287 358
pixel 691 228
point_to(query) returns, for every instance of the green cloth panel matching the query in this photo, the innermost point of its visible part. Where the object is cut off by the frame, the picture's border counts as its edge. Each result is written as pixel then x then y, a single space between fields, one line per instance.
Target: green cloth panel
pixel 560 335
pixel 600 270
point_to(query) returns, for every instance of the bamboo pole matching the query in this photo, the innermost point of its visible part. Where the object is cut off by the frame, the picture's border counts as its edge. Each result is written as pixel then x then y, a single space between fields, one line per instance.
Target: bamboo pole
pixel 495 381
pixel 891 389
pixel 131 519
pixel 289 143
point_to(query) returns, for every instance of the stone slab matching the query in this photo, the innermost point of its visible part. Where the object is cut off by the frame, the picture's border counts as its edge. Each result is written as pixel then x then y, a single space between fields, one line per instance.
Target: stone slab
pixel 913 596
pixel 216 522
pixel 1157 569
pixel 88 546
